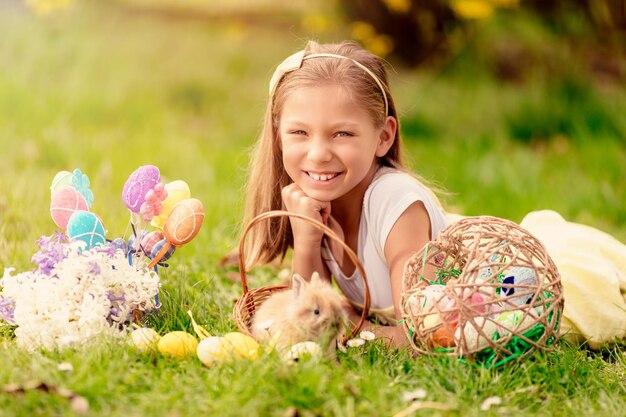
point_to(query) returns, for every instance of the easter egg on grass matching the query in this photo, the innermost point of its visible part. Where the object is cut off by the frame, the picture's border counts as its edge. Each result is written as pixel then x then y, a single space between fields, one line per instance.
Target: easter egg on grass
pixel 60 179
pixel 178 344
pixel 176 192
pixel 145 339
pixel 518 285
pixel 212 349
pixel 184 222
pixel 142 180
pixel 64 202
pixel 241 345
pixel 86 227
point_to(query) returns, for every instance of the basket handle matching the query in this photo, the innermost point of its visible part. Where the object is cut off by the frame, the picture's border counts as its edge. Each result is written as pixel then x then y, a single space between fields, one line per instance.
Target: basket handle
pixel 328 232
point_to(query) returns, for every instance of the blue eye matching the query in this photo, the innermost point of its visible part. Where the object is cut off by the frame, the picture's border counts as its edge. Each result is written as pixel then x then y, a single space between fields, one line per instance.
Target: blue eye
pixel 343 134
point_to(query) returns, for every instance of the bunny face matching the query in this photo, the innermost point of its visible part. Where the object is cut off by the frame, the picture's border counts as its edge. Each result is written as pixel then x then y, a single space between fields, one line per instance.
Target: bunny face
pixel 317 308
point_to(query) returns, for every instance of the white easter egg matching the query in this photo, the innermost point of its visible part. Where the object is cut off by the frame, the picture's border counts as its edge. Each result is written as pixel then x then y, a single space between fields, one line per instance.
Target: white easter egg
pixel 519 280
pixel 212 349
pixel 145 339
pixel 475 335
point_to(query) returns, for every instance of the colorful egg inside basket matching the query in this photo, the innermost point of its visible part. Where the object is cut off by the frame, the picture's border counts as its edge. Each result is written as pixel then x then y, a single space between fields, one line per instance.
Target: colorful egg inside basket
pixel 485 291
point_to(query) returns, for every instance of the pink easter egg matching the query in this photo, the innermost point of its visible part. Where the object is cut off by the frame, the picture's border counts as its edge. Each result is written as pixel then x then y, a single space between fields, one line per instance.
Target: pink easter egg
pixel 184 221
pixel 149 240
pixel 65 201
pixel 142 180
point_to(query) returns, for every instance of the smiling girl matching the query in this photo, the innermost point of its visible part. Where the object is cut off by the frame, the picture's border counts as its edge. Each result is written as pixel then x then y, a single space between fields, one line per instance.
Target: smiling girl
pixel 330 149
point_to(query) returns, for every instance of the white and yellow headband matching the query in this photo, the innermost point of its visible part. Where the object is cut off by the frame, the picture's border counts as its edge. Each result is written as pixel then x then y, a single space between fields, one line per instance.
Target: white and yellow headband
pixel 294 62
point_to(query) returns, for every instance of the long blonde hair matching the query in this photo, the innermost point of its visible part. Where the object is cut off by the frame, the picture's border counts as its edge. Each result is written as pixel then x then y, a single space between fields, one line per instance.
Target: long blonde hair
pixel 267 175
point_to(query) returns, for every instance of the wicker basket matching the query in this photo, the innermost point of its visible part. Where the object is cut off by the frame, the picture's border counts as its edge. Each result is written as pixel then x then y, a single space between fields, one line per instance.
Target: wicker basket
pixel 246 305
pixel 485 291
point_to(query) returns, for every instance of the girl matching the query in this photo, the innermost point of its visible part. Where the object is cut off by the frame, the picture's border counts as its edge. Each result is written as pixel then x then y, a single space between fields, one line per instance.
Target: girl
pixel 330 149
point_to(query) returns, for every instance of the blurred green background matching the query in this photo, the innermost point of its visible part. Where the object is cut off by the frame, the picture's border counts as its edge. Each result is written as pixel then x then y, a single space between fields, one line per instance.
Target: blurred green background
pixel 510 106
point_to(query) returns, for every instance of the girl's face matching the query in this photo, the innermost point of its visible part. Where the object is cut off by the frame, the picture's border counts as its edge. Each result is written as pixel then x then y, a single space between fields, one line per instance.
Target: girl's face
pixel 329 142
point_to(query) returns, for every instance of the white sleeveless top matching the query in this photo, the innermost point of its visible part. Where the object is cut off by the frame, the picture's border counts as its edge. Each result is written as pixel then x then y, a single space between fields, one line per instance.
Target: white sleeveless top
pixel 387 197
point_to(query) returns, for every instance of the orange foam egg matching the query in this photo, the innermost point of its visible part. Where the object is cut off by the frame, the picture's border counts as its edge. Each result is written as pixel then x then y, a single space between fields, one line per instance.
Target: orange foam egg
pixel 184 222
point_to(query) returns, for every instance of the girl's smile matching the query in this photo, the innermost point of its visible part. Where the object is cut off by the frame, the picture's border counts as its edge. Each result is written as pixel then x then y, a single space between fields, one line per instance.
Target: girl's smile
pixel 329 142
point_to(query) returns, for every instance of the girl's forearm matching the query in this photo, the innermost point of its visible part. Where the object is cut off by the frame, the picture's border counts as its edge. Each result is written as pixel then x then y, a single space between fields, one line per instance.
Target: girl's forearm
pixel 307 259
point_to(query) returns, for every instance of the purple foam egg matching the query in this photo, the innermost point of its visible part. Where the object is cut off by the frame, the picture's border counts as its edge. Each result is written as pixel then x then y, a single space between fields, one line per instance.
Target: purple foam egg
pixel 142 180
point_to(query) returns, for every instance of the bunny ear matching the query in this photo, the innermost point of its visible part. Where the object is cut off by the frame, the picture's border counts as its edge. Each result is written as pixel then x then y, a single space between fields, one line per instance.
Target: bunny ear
pixel 297 283
pixel 315 276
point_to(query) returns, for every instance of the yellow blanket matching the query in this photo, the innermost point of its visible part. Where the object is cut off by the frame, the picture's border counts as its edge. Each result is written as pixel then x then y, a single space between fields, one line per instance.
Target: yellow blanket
pixel 592 265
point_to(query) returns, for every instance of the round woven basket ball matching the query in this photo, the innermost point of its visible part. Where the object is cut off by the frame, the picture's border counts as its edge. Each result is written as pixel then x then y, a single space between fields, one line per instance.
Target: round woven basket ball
pixel 485 290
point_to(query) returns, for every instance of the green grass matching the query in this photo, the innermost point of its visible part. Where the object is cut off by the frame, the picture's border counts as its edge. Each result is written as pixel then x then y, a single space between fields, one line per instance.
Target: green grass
pixel 107 90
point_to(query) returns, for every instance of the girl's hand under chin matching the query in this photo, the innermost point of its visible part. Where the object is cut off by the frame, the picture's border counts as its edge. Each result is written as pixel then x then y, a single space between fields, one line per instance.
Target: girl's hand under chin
pixel 296 201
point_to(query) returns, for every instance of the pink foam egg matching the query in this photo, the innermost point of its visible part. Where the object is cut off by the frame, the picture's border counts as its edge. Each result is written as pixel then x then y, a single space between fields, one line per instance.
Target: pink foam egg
pixel 184 222
pixel 65 201
pixel 149 240
pixel 142 180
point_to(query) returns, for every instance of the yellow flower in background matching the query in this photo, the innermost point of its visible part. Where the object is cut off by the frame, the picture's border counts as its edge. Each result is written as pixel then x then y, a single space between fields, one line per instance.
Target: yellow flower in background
pixel 48 6
pixel 380 45
pixel 365 33
pixel 472 9
pixel 505 3
pixel 361 31
pixel 398 6
pixel 316 23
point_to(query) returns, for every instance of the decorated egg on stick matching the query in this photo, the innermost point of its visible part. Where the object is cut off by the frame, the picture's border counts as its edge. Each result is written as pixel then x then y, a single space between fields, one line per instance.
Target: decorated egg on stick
pixel 176 192
pixel 65 201
pixel 149 241
pixel 158 247
pixel 184 222
pixel 142 180
pixel 182 225
pixel 86 227
pixel 60 179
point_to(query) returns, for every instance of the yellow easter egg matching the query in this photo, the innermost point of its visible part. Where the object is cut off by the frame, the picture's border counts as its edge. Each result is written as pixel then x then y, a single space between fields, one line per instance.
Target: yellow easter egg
pixel 178 344
pixel 145 339
pixel 177 191
pixel 241 345
pixel 184 222
pixel 212 349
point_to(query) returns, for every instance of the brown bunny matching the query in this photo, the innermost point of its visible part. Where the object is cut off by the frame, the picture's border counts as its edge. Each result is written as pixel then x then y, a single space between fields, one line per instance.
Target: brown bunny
pixel 308 311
